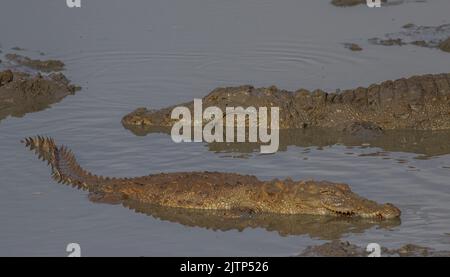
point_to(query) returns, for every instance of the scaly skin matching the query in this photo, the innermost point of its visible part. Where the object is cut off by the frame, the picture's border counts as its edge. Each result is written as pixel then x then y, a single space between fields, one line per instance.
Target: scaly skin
pixel 214 190
pixel 418 103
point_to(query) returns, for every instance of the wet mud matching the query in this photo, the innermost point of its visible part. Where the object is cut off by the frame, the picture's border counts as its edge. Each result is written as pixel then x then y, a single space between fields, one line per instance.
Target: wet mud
pixel 22 93
pixel 437 37
pixel 338 248
pixel 41 65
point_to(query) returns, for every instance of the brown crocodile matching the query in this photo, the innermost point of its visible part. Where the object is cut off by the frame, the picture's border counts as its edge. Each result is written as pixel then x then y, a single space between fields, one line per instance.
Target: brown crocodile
pixel 417 103
pixel 213 190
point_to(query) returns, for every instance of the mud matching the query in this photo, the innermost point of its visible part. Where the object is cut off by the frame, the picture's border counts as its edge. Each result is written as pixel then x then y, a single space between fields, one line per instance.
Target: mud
pixel 353 47
pixel 437 37
pixel 347 3
pixel 351 3
pixel 338 248
pixel 22 93
pixel 41 65
pixel 388 42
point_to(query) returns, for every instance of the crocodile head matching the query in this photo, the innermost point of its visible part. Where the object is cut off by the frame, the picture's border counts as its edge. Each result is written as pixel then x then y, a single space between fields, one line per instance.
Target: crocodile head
pixel 146 117
pixel 340 200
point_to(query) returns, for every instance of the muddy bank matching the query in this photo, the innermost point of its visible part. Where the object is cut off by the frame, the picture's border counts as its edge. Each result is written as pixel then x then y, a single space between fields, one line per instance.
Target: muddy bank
pixel 437 37
pixel 345 249
pixel 22 93
pixel 415 103
pixel 41 65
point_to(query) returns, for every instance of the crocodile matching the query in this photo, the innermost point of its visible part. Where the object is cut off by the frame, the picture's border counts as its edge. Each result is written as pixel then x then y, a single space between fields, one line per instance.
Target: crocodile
pixel 241 194
pixel 415 103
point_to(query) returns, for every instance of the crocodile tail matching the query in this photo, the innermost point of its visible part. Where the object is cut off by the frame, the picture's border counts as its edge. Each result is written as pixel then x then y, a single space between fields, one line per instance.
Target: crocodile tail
pixel 65 168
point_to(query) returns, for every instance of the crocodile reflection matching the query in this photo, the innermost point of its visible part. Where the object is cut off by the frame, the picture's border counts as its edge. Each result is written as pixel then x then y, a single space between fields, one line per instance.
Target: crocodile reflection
pixel 321 227
pixel 422 142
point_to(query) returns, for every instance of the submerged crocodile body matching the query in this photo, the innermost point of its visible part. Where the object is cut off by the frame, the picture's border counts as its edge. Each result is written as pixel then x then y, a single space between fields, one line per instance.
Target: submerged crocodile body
pixel 418 103
pixel 240 194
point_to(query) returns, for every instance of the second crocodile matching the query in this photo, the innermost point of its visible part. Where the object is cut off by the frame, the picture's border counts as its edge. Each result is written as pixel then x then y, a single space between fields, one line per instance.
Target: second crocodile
pixel 417 103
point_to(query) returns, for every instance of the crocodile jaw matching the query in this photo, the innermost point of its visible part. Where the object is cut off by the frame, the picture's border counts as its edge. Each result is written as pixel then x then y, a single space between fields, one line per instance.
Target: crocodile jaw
pixel 386 211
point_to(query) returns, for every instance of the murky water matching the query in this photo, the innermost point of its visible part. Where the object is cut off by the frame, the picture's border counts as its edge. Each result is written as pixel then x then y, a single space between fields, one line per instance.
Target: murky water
pixel 135 53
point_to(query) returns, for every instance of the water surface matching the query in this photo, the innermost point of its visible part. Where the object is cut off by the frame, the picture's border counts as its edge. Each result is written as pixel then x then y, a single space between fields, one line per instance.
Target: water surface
pixel 127 54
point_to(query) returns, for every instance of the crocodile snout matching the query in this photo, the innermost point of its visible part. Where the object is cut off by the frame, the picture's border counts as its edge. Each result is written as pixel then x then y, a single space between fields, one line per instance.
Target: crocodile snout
pixel 390 211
